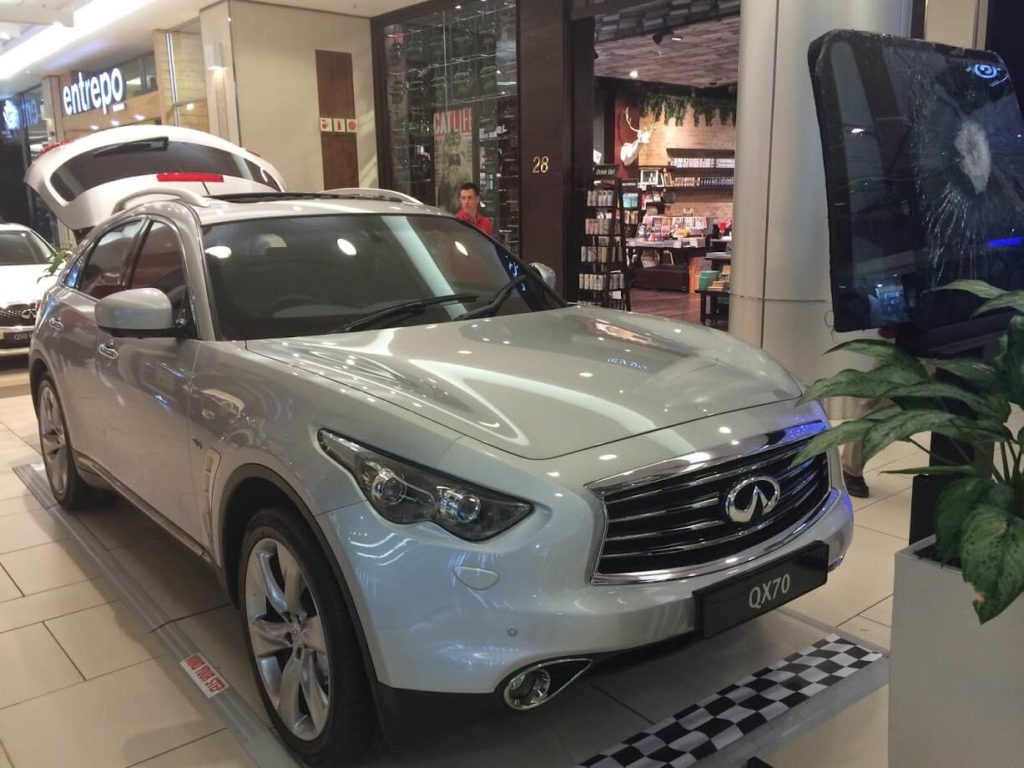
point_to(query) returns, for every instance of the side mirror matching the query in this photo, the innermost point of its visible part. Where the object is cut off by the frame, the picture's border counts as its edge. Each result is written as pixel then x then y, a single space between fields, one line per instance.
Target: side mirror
pixel 141 312
pixel 547 274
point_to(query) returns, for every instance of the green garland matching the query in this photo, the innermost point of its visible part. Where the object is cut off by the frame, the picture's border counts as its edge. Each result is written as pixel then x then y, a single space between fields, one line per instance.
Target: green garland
pixel 665 105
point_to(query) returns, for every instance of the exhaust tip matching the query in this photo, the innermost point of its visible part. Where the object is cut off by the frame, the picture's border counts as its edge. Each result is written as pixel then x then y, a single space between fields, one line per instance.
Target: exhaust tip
pixel 537 685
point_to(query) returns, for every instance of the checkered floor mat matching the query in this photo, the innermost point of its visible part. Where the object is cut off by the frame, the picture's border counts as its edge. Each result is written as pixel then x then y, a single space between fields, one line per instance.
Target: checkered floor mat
pixel 709 725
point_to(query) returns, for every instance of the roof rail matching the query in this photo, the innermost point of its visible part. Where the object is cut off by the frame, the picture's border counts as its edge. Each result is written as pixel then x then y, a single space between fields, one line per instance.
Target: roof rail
pixel 184 195
pixel 372 193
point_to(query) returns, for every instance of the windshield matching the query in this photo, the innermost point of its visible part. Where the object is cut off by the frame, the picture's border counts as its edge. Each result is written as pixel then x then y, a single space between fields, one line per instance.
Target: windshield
pixel 21 247
pixel 309 275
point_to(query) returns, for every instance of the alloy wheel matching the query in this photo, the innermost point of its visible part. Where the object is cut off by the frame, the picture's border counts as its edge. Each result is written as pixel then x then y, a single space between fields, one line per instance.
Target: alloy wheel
pixel 287 638
pixel 53 441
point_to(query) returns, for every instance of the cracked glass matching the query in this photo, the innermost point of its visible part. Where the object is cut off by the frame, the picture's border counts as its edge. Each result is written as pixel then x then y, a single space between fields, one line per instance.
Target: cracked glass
pixel 924 164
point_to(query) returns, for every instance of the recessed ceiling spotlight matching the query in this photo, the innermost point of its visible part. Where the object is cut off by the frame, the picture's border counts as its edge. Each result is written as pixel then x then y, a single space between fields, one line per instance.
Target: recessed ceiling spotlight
pixel 634 75
pixel 676 39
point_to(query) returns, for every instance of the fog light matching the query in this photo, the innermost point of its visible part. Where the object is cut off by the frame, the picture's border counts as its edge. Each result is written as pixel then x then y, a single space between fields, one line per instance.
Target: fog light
pixel 528 690
pixel 459 507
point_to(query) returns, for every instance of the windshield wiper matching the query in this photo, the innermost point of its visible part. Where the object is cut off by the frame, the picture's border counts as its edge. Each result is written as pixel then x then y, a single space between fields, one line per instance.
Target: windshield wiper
pixel 497 300
pixel 406 307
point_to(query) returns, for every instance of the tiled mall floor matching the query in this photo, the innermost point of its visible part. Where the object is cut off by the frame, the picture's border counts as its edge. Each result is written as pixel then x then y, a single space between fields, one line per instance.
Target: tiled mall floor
pixel 83 684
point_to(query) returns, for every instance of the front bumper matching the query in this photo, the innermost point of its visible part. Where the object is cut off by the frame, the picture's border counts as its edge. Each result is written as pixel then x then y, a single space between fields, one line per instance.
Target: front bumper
pixel 15 340
pixel 443 617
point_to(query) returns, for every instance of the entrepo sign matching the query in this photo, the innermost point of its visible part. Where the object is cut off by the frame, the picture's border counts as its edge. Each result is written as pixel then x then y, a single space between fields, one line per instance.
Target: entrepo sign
pixel 97 92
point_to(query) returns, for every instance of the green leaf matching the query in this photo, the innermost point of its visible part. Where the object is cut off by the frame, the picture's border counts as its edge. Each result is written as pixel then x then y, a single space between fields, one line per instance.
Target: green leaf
pixel 869 385
pixel 881 350
pixel 848 432
pixel 904 425
pixel 979 288
pixel 1014 301
pixel 938 471
pixel 982 374
pixel 992 558
pixel 952 508
pixel 945 391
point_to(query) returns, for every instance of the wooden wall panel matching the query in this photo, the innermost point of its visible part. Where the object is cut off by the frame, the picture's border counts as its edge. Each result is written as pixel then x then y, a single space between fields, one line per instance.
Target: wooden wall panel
pixel 336 94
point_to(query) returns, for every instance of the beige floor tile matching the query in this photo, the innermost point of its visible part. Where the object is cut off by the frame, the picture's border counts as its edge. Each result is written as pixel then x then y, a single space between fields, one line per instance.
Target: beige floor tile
pixel 52 604
pixel 4 762
pixel 11 487
pixel 8 589
pixel 218 635
pixel 217 751
pixel 883 486
pixel 118 524
pixel 112 721
pixel 872 631
pixel 175 578
pixel 103 639
pixel 32 664
pixel 47 566
pixel 17 455
pixel 29 529
pixel 18 505
pixel 864 578
pixel 881 613
pixel 891 516
pixel 858 737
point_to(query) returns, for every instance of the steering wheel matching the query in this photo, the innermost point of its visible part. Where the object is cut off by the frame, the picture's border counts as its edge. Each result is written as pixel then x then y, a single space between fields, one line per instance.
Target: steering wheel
pixel 291 300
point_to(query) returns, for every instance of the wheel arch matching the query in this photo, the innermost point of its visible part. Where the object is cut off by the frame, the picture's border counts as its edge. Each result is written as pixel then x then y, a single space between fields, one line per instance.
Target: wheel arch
pixel 250 487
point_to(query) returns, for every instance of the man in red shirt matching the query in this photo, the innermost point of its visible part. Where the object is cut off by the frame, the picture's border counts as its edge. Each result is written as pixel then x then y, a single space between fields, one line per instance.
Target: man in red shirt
pixel 469 200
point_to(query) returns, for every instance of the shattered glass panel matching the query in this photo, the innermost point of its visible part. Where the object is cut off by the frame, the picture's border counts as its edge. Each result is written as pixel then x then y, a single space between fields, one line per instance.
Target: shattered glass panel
pixel 924 164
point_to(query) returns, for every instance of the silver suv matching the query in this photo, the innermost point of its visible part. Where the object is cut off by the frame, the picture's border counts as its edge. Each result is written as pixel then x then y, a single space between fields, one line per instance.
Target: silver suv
pixel 417 468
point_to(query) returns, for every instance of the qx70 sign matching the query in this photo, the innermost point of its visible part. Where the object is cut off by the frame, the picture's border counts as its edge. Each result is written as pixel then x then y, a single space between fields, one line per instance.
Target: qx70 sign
pixel 100 91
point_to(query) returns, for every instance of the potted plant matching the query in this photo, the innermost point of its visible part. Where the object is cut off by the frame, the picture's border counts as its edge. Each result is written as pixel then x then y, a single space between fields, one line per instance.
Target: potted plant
pixel 957 681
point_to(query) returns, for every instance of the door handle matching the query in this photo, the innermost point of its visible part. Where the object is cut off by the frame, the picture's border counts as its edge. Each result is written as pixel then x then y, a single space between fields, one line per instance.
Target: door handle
pixel 107 349
pixel 56 324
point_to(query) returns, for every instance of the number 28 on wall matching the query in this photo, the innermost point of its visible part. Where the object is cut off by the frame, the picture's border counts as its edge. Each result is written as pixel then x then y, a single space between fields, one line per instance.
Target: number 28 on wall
pixel 541 163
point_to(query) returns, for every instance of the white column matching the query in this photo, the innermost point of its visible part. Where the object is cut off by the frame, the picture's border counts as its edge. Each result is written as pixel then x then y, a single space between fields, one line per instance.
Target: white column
pixel 218 58
pixel 781 299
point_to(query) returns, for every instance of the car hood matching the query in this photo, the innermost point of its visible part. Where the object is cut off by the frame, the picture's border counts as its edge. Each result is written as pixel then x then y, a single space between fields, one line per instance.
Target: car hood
pixel 21 284
pixel 546 384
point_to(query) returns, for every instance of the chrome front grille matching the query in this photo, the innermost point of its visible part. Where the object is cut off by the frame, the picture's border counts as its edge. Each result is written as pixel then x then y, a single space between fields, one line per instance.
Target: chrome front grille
pixel 15 315
pixel 673 525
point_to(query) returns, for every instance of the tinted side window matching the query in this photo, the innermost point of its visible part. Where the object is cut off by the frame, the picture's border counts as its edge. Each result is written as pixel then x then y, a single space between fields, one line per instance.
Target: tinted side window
pixel 160 265
pixel 107 265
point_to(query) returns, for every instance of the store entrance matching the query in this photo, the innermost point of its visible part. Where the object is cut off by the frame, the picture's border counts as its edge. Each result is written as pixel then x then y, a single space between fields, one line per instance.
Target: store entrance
pixel 655 234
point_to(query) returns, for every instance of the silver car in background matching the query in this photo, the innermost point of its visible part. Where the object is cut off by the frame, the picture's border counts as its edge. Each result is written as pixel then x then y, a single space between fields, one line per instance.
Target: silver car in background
pixel 24 263
pixel 416 467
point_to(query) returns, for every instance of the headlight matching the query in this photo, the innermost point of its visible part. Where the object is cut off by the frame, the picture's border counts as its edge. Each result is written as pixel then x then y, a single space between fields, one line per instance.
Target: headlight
pixel 404 493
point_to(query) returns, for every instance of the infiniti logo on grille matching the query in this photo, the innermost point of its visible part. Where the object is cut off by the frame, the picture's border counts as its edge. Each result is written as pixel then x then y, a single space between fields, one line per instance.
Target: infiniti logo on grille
pixel 28 314
pixel 752 498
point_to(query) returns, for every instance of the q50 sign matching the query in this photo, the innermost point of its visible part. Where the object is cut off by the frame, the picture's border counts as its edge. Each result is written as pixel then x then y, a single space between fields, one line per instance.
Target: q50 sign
pixel 97 92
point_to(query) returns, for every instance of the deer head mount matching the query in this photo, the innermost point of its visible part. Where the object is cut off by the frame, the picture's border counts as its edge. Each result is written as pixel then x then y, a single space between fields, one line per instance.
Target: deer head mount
pixel 630 152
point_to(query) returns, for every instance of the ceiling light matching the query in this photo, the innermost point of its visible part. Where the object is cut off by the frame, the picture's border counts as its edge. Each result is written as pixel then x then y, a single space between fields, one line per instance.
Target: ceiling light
pixel 90 18
pixel 115 123
pixel 634 75
pixel 676 39
pixel 140 117
pixel 94 127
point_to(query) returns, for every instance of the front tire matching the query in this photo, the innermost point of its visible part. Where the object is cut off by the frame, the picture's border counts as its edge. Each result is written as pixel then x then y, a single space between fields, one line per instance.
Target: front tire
pixel 302 644
pixel 66 484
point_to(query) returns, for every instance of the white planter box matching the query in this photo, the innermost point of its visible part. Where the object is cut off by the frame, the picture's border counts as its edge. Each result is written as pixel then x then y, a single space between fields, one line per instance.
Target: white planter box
pixel 956 696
